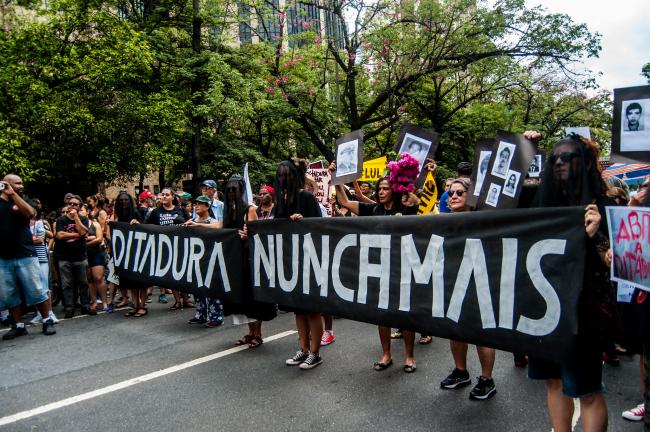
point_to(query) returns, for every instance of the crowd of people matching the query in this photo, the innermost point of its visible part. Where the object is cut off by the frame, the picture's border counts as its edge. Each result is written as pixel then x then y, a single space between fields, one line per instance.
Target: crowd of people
pixel 74 249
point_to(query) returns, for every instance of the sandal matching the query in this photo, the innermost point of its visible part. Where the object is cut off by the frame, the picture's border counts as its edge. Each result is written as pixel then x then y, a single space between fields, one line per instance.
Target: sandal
pixel 130 313
pixel 245 340
pixel 188 304
pixel 175 306
pixel 255 342
pixel 409 368
pixel 379 366
pixel 425 340
pixel 121 305
pixel 141 312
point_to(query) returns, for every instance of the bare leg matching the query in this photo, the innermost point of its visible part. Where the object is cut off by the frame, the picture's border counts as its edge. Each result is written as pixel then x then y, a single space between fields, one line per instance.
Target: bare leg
pixel 593 411
pixel 44 308
pixel 459 353
pixel 92 290
pixel 486 357
pixel 560 407
pixel 17 314
pixel 409 343
pixel 177 297
pixel 316 331
pixel 302 325
pixel 327 322
pixel 384 338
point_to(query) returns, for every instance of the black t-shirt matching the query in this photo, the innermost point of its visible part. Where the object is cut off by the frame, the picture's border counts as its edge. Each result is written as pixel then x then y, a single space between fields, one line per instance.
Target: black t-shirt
pixel 306 205
pixel 366 209
pixel 71 249
pixel 161 216
pixel 15 236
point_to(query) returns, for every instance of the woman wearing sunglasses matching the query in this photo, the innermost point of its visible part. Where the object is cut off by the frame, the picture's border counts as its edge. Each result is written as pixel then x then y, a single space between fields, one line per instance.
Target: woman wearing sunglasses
pixel 459 377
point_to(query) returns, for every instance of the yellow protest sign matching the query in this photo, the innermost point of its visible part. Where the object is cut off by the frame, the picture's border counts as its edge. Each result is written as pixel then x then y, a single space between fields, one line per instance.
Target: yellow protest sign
pixel 429 195
pixel 373 169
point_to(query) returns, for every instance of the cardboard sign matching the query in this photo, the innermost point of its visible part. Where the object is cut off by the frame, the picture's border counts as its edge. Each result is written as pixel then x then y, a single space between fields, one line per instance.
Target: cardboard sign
pixel 629 238
pixel 373 169
pixel 482 157
pixel 420 143
pixel 631 127
pixel 322 177
pixel 429 195
pixel 349 158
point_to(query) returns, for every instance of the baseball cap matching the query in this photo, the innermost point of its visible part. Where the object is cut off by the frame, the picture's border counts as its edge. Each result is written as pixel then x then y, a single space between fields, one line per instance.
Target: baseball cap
pixel 145 194
pixel 203 199
pixel 209 183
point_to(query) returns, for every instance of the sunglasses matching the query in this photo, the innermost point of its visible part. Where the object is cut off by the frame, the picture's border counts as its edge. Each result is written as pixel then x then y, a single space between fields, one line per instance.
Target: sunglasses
pixel 565 157
pixel 458 193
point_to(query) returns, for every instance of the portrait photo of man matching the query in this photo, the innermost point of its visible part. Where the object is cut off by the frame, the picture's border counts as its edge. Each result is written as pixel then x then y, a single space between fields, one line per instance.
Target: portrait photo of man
pixel 347 158
pixel 416 147
pixel 484 162
pixel 492 198
pixel 505 153
pixel 635 115
pixel 535 168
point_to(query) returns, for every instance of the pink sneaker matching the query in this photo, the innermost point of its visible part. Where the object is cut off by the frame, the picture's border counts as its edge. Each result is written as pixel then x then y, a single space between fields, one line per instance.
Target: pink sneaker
pixel 327 338
pixel 635 414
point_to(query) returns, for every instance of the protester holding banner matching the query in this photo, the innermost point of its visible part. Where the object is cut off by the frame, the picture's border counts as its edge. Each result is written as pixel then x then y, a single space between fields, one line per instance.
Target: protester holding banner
pixel 464 171
pixel 207 311
pixel 124 211
pixel 459 377
pixel 169 213
pixel 236 214
pixel 571 178
pixel 293 202
pixel 390 203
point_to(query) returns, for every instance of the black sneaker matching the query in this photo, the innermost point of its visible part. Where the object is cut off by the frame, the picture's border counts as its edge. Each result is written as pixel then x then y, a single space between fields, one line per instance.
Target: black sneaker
pixel 197 321
pixel 48 327
pixel 69 313
pixel 311 361
pixel 297 359
pixel 457 379
pixel 14 333
pixel 484 389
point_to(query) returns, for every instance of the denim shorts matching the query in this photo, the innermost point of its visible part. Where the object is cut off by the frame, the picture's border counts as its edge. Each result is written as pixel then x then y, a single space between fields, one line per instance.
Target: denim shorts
pixel 21 273
pixel 581 374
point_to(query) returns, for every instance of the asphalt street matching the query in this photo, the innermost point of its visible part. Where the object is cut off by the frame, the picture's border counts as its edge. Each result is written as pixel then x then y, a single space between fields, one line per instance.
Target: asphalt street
pixel 158 373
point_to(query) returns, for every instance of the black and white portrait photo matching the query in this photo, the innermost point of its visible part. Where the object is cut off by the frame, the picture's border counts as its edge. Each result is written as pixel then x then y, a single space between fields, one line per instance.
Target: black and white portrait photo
pixel 416 147
pixel 483 164
pixel 347 158
pixel 635 125
pixel 578 130
pixel 535 168
pixel 492 198
pixel 505 153
pixel 512 180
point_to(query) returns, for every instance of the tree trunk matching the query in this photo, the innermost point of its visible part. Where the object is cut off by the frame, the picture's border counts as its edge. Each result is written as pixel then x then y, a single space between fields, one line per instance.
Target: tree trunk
pixel 197 120
pixel 161 177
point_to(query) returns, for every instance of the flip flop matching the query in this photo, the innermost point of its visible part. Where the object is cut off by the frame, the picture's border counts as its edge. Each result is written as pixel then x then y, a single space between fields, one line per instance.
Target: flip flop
pixel 244 341
pixel 141 314
pixel 379 366
pixel 425 340
pixel 409 368
pixel 255 342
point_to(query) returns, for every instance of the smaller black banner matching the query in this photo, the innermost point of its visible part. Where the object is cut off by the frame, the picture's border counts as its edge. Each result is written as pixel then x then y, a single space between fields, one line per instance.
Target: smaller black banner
pixel 202 261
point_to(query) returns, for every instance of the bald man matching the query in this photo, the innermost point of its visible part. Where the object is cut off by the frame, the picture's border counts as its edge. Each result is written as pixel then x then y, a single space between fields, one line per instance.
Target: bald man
pixel 19 268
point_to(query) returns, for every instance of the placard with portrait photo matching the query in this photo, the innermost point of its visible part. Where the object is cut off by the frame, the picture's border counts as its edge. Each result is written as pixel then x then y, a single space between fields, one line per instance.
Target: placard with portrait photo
pixel 631 127
pixel 349 158
pixel 504 155
pixel 421 143
pixel 481 164
pixel 535 168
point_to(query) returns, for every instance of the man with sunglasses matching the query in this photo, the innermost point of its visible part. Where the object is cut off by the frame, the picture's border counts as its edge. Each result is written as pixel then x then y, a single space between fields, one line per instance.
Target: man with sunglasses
pixel 19 268
pixel 70 245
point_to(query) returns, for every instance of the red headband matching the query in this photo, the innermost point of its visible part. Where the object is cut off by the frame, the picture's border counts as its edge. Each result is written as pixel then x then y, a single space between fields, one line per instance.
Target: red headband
pixel 269 189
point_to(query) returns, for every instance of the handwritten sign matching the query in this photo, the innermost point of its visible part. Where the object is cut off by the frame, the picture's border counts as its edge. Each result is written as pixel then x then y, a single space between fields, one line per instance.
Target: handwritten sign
pixel 629 237
pixel 373 169
pixel 322 177
pixel 429 195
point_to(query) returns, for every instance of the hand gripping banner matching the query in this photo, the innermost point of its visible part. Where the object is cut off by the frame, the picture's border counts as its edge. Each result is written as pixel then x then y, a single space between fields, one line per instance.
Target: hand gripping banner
pixel 508 279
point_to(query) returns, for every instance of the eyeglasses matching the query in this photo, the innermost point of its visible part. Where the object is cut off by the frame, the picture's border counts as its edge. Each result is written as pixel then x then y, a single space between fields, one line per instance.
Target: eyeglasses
pixel 565 157
pixel 458 193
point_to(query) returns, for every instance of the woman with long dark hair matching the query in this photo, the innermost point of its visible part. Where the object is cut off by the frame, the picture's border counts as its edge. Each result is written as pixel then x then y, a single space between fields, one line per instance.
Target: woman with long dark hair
pixel 572 178
pixel 124 211
pixel 236 214
pixel 389 203
pixel 293 202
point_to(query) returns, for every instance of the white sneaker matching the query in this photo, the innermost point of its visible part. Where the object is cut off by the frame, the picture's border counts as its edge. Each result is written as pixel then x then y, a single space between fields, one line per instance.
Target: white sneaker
pixel 635 414
pixel 53 317
pixel 37 319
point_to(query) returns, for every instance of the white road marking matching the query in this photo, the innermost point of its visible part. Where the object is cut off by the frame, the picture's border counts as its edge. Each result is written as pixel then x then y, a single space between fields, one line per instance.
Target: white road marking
pixel 131 382
pixel 576 413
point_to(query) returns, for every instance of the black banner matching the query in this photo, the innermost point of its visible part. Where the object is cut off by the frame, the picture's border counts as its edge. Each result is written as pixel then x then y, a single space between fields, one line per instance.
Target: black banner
pixel 508 279
pixel 202 261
